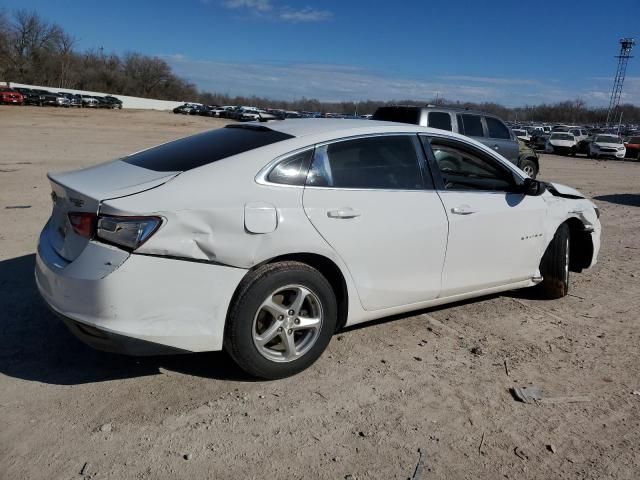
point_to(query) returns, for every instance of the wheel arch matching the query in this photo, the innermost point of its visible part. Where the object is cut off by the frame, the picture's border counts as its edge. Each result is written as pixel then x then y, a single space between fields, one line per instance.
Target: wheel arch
pixel 325 266
pixel 580 245
pixel 533 158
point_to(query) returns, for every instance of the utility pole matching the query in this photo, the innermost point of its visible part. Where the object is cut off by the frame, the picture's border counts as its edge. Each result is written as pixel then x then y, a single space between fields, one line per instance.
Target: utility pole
pixel 626 45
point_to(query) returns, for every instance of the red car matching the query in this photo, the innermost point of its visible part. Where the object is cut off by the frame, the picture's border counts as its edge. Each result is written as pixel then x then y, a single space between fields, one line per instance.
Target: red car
pixel 11 96
pixel 632 145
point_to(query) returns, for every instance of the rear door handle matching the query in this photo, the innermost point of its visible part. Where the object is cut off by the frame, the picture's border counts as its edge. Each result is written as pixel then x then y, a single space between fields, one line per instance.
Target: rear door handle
pixel 496 147
pixel 463 210
pixel 343 213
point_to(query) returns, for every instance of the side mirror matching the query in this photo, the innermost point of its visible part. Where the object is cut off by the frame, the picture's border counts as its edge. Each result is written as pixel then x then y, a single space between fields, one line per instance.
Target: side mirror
pixel 533 187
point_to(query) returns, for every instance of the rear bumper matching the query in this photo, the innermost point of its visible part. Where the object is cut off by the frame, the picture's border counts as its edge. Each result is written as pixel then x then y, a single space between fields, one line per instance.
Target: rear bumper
pixel 136 303
pixel 115 343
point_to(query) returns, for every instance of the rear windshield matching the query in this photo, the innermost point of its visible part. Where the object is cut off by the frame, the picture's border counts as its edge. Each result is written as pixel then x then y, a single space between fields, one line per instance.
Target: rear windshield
pixel 205 148
pixel 398 114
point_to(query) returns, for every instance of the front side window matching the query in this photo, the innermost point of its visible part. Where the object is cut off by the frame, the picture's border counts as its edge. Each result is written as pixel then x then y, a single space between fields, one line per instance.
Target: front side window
pixel 497 129
pixel 441 120
pixel 470 125
pixel 384 162
pixel 462 169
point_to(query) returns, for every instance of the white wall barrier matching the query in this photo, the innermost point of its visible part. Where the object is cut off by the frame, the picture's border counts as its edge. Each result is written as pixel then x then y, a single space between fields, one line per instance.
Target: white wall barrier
pixel 127 102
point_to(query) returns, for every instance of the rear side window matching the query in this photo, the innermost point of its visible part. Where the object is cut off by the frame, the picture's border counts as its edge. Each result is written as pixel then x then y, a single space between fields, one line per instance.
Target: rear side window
pixel 291 170
pixel 441 120
pixel 385 162
pixel 398 114
pixel 497 129
pixel 205 148
pixel 471 125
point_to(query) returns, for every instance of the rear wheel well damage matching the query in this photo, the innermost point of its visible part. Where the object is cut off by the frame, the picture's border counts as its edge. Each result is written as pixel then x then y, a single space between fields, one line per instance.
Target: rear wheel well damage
pixel 580 246
pixel 326 267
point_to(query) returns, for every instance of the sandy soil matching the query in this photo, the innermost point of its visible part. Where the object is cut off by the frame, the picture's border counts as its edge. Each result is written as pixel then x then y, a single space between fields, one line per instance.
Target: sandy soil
pixel 435 380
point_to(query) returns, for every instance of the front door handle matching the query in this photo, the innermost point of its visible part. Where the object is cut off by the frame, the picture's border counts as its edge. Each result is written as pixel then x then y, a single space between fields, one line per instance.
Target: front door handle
pixel 463 210
pixel 343 213
pixel 496 147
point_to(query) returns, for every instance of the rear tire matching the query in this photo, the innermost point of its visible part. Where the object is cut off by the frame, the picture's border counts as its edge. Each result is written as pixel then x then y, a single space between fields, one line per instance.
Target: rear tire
pixel 267 334
pixel 554 266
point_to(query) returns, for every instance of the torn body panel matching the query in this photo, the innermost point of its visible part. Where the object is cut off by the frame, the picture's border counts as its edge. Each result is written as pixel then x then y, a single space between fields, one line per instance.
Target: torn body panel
pixel 583 221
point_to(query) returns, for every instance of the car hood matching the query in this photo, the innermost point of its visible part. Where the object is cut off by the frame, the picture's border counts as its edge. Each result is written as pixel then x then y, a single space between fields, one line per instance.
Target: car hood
pixel 608 145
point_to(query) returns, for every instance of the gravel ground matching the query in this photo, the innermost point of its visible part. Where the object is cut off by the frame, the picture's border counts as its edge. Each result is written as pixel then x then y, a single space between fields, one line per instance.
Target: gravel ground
pixel 437 381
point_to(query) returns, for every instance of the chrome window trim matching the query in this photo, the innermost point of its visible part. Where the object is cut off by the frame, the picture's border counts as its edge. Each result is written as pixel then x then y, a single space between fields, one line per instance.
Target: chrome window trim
pixel 261 177
pixel 496 156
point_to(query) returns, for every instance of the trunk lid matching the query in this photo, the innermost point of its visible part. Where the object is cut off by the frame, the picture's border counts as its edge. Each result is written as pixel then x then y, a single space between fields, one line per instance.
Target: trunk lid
pixel 84 190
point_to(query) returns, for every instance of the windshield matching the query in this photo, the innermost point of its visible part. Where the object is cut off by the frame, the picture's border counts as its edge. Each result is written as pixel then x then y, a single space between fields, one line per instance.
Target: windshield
pixel 634 140
pixel 562 136
pixel 607 139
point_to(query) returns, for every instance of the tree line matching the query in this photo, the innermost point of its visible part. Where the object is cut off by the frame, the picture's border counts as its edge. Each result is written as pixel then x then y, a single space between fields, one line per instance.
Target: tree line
pixel 35 51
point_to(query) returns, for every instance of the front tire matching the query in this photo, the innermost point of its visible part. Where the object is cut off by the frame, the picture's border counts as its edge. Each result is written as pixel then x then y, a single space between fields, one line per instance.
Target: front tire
pixel 529 167
pixel 282 319
pixel 554 266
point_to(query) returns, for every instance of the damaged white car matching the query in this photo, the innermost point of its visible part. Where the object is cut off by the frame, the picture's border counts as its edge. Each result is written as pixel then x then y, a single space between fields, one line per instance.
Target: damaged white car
pixel 265 238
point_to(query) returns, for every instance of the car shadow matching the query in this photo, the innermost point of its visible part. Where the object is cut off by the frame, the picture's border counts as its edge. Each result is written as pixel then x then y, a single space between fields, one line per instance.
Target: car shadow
pixel 35 345
pixel 629 199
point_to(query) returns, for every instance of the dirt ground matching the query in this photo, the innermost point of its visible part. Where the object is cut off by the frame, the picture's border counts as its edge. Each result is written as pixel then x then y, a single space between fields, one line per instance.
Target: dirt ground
pixel 437 381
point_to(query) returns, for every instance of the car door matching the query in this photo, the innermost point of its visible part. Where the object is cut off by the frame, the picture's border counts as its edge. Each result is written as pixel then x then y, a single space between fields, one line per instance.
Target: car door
pixel 501 139
pixel 475 126
pixel 372 200
pixel 495 233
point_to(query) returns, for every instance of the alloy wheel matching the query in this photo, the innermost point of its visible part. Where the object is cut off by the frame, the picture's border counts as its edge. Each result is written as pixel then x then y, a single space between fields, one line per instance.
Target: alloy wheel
pixel 287 324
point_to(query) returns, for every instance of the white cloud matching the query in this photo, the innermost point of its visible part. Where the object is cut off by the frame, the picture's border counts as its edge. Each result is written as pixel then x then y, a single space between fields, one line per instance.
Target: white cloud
pixel 285 13
pixel 254 5
pixel 304 15
pixel 351 83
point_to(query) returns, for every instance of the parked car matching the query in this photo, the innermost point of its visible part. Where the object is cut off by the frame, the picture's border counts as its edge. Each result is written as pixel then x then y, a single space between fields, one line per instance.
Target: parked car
pixel 75 100
pixel 539 140
pixel 46 97
pixel 29 96
pixel 579 133
pixel 115 102
pixel 562 143
pixel 607 146
pixel 186 108
pixel 528 160
pixel 522 134
pixel 10 96
pixel 62 100
pixel 483 127
pixel 246 114
pixel 198 110
pixel 89 101
pixel 632 146
pixel 207 242
pixel 583 146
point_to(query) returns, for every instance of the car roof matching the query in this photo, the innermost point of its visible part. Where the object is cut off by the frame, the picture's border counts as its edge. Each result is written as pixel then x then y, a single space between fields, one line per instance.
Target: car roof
pixel 443 108
pixel 299 127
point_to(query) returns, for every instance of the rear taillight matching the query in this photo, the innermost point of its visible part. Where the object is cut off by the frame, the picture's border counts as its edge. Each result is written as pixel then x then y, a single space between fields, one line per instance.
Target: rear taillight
pixel 83 223
pixel 127 232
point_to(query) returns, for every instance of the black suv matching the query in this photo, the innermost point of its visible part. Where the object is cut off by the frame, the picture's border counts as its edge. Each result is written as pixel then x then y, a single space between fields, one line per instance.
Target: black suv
pixel 483 127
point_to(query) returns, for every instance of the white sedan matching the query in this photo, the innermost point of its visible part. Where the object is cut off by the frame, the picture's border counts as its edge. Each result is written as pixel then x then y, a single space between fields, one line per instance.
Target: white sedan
pixel 265 238
pixel 607 146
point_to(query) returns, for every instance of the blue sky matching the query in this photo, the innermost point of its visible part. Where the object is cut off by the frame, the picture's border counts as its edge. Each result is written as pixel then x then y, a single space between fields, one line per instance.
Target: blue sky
pixel 510 52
